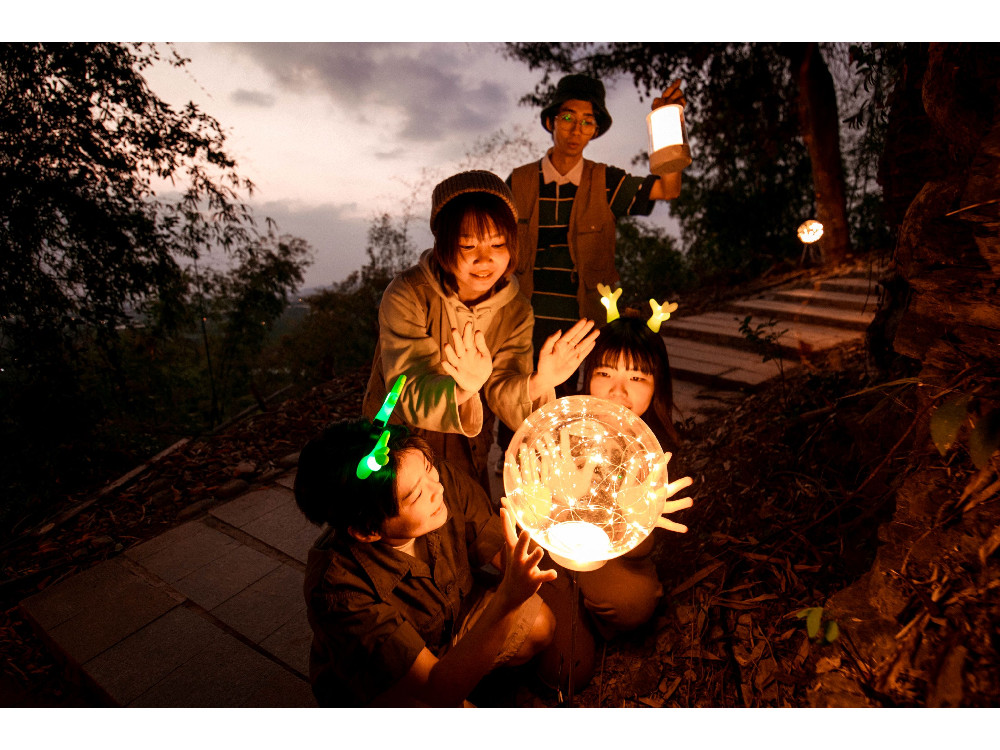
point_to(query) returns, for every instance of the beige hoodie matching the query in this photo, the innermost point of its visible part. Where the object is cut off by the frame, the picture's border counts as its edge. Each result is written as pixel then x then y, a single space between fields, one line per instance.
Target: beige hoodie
pixel 416 318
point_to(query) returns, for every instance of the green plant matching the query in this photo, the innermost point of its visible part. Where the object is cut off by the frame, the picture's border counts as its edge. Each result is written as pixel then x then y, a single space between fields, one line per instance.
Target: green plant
pixel 814 624
pixel 978 414
pixel 763 339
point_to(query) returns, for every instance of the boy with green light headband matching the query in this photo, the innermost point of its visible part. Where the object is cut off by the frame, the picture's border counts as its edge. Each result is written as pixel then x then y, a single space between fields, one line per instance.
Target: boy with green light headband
pixel 398 616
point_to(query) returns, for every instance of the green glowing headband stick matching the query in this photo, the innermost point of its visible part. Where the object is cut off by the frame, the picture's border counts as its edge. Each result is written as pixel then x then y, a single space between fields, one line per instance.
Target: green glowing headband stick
pixel 375 460
pixel 379 455
pixel 390 402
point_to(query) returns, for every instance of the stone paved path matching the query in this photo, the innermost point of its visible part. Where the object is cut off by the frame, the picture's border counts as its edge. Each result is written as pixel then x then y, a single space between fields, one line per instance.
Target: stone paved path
pixel 208 614
pixel 211 613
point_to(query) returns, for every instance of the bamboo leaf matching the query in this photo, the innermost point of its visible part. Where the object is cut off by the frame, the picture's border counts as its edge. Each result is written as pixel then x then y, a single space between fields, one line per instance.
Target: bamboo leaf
pixel 884 386
pixel 832 631
pixel 813 621
pixel 946 421
pixel 985 438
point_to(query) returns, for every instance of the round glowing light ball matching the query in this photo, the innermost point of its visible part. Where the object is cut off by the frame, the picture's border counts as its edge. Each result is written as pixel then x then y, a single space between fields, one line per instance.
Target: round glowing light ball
pixel 581 476
pixel 809 231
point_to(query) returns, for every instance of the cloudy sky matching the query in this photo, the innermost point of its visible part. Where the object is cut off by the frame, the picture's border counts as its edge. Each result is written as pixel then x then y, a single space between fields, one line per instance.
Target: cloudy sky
pixel 334 134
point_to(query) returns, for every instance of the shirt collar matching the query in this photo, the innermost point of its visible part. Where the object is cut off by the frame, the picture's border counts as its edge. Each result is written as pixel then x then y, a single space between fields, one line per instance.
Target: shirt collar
pixel 386 566
pixel 551 174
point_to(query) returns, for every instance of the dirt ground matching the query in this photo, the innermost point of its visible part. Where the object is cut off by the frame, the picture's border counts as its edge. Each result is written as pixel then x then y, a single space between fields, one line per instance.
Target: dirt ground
pixel 791 487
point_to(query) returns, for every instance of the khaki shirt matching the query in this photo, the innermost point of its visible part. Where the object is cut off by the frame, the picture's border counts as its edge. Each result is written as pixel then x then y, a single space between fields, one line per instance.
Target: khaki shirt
pixel 373 609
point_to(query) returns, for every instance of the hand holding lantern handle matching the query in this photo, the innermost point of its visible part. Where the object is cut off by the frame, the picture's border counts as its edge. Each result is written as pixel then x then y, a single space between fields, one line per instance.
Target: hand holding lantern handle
pixel 671 95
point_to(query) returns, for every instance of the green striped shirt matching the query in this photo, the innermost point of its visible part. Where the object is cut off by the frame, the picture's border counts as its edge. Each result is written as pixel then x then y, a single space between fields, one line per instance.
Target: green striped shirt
pixel 555 284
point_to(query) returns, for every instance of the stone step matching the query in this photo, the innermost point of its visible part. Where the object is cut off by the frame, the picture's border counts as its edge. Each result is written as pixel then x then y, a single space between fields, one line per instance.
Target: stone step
pixel 860 286
pixel 823 298
pixel 722 328
pixel 719 367
pixel 855 320
pixel 865 272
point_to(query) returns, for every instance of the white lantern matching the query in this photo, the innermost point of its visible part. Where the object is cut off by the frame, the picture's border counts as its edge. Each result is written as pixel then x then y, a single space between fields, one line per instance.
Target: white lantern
pixel 668 143
pixel 584 477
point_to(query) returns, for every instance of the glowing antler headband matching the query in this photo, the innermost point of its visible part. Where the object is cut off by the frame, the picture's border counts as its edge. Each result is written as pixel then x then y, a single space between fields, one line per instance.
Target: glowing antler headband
pixel 610 300
pixel 379 455
pixel 660 313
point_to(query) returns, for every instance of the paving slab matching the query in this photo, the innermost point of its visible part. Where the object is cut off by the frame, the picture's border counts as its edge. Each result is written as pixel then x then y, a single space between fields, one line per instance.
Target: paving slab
pixel 852 285
pixel 290 643
pixel 136 664
pixel 272 517
pixel 249 507
pixel 93 610
pixel 266 605
pixel 226 674
pixel 226 576
pixel 198 616
pixel 285 528
pixel 182 550
pixel 719 366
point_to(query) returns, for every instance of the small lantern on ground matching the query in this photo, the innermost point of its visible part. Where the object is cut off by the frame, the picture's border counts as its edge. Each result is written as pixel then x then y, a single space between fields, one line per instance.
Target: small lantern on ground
pixel 809 232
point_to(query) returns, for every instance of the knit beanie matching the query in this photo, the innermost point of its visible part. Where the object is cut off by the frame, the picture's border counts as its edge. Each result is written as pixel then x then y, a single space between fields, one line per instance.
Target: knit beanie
pixel 475 181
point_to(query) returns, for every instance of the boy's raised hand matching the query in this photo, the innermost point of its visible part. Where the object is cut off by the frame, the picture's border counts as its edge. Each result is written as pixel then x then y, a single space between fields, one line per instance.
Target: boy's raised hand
pixel 521 575
pixel 562 353
pixel 467 359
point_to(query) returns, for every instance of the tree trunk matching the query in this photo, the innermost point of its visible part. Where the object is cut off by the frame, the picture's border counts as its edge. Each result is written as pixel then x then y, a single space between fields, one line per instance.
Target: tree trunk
pixel 945 126
pixel 821 133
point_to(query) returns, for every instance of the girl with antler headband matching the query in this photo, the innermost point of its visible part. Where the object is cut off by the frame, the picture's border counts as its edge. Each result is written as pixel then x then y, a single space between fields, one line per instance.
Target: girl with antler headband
pixel 628 365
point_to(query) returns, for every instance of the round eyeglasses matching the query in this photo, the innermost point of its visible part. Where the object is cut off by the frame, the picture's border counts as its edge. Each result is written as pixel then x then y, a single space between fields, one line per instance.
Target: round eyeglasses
pixel 567 122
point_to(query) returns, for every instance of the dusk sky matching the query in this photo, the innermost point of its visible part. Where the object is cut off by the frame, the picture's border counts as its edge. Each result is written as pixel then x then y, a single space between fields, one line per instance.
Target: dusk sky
pixel 333 134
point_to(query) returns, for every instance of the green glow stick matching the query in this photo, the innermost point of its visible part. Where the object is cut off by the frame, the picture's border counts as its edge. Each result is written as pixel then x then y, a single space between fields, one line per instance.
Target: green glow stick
pixel 390 401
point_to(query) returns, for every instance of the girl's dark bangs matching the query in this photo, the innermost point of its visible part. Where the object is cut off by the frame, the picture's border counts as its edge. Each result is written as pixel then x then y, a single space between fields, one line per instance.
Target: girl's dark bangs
pixel 635 358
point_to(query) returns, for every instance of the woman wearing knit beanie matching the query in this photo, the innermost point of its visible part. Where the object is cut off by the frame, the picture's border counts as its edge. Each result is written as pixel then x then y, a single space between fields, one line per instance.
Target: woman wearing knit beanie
pixel 456 325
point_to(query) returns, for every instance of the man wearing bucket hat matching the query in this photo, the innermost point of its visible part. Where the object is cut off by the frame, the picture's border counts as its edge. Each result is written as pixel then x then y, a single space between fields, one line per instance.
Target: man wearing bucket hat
pixel 567 207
